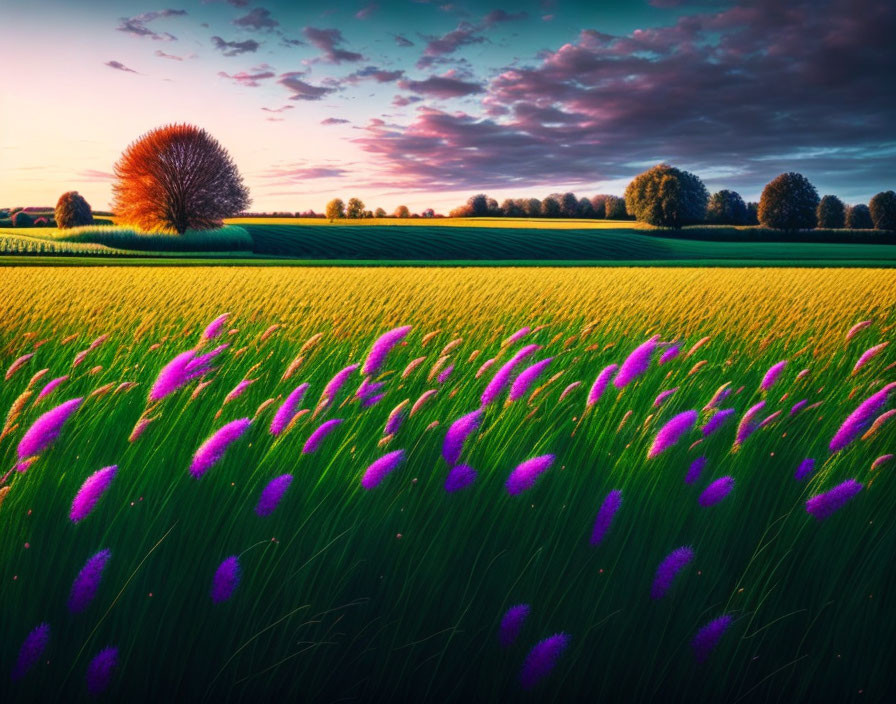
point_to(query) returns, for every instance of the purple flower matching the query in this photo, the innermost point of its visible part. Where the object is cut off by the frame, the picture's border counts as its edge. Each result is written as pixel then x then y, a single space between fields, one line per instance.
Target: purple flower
pixel 857 421
pixel 542 659
pixel 771 376
pixel 883 459
pixel 381 348
pixel 569 389
pixel 175 374
pixel 723 392
pixel 459 477
pixel 798 406
pixel 600 384
pixel 335 384
pixel 90 492
pixel 271 494
pixel 88 581
pixel 709 635
pixel 200 366
pixel 663 395
pixel 44 431
pixel 512 623
pixel 99 671
pixel 51 386
pixel 668 569
pixel 671 432
pixel 716 491
pixel 381 468
pixel 526 474
pixel 213 449
pixel 372 400
pixel 288 410
pixel 671 353
pixel 748 424
pixel 396 418
pixel 317 437
pixel 457 435
pixel 526 378
pixel 516 337
pixel 857 328
pixel 445 373
pixel 868 355
pixel 226 579
pixel 31 651
pixel 605 516
pixel 768 420
pixel 238 390
pixel 717 421
pixel 368 389
pixel 824 505
pixel 694 470
pixel 502 377
pixel 636 363
pixel 807 466
pixel 214 328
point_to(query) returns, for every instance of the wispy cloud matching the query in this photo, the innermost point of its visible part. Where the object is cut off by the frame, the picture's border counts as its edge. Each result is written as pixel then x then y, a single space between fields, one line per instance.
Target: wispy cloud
pixel 235 48
pixel 118 66
pixel 329 41
pixel 136 26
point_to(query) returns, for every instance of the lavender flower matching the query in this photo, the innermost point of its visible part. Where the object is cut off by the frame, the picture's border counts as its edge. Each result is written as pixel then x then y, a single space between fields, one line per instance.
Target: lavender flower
pixel 381 348
pixel 335 384
pixel 512 623
pixel 51 386
pixel 600 384
pixel 516 337
pixel 288 410
pixel 459 477
pixel 824 505
pixel 542 659
pixel 526 378
pixel 636 363
pixel 215 327
pixel 90 492
pixel 716 491
pixel 748 425
pixel 317 437
pixel 226 579
pixel 668 569
pixel 708 637
pixel 671 353
pixel 396 418
pixel 87 582
pixel 17 364
pixel 857 421
pixel 213 449
pixel 858 327
pixel 200 364
pixel 605 516
pixel 381 468
pixel 502 377
pixel 31 651
pixel 798 406
pixel 44 431
pixel 272 494
pixel 868 355
pixel 527 473
pixel 771 376
pixel 238 390
pixel 457 435
pixel 99 671
pixel 671 432
pixel 717 421
pixel 369 401
pixel 663 395
pixel 807 466
pixel 720 395
pixel 178 372
pixel 445 373
pixel 694 470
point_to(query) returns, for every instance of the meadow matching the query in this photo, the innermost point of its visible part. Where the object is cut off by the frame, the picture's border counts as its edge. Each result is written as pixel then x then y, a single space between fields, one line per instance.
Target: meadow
pixel 655 523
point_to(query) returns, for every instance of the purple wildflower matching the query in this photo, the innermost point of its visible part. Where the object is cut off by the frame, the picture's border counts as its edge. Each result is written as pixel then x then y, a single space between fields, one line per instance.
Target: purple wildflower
pixel 881 460
pixel 720 395
pixel 369 401
pixel 200 364
pixel 215 327
pixel 824 505
pixel 798 406
pixel 99 671
pixel 512 623
pixel 668 569
pixel 179 371
pixel 542 659
pixel 694 470
pixel 517 336
pixel 317 437
pixel 44 431
pixel 90 492
pixel 671 353
pixel 600 384
pixel 709 635
pixel 213 449
pixel 396 418
pixel 716 491
pixel 502 377
pixel 807 466
pixel 569 389
pixel 485 366
pixel 671 432
pixel 527 473
pixel 771 376
pixel 526 378
pixel 33 647
pixel 336 383
pixel 459 477
pixel 445 373
pixel 717 421
pixel 288 410
pixel 457 435
pixel 272 494
pixel 87 582
pixel 663 395
pixel 605 516
pixel 768 420
pixel 238 390
pixel 381 468
pixel 381 348
pixel 226 579
pixel 868 355
pixel 858 327
pixel 748 425
pixel 51 386
pixel 636 363
pixel 857 421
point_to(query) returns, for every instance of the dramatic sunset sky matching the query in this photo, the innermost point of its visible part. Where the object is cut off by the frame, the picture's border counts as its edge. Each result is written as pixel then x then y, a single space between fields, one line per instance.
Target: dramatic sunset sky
pixel 425 103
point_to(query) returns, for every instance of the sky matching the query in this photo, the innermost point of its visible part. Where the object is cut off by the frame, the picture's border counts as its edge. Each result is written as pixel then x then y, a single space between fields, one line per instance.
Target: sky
pixel 425 103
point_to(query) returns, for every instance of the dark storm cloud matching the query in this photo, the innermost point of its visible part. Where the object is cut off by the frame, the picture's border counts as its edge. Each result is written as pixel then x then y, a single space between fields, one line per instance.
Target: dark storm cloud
pixel 329 41
pixel 235 48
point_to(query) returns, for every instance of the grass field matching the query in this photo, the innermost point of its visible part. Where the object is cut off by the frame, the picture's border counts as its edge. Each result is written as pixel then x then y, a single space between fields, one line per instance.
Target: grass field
pixel 396 592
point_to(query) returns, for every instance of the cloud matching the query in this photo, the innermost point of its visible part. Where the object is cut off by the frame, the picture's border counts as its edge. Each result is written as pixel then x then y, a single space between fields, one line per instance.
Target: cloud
pixel 248 79
pixel 117 65
pixel 402 41
pixel 401 101
pixel 302 90
pixel 258 18
pixel 280 109
pixel 289 42
pixel 297 174
pixel 334 121
pixel 441 87
pixel 235 48
pixel 497 16
pixel 136 26
pixel 329 41
pixel 94 176
pixel 366 11
pixel 438 46
pixel 374 73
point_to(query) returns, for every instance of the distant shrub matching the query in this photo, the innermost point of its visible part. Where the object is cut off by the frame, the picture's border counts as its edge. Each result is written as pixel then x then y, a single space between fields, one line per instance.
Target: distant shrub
pixel 788 202
pixel 858 217
pixel 550 207
pixel 614 208
pixel 510 209
pixel 22 219
pixel 532 207
pixel 666 197
pixel 883 210
pixel 354 208
pixel 586 210
pixel 335 209
pixel 830 214
pixel 752 214
pixel 402 212
pixel 72 211
pixel 726 208
pixel 380 213
pixel 569 205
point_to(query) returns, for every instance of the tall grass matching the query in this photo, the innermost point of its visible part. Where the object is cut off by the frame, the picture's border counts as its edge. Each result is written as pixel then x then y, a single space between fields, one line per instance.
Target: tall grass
pixel 229 238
